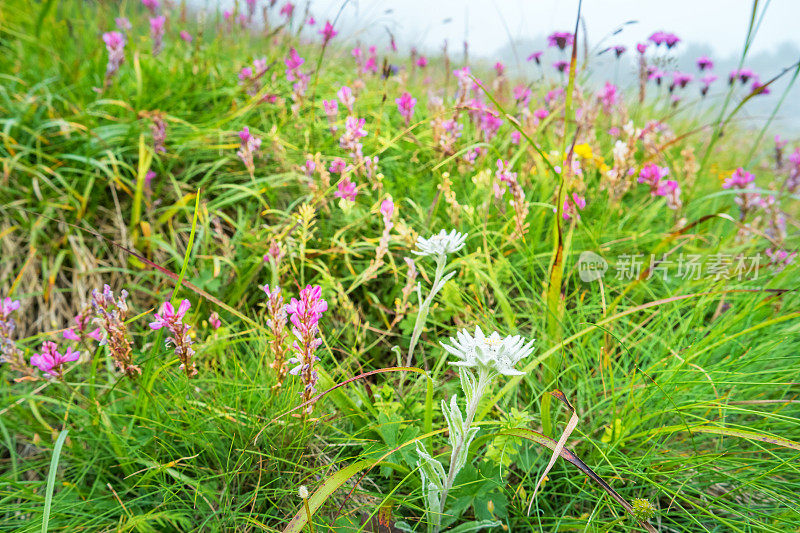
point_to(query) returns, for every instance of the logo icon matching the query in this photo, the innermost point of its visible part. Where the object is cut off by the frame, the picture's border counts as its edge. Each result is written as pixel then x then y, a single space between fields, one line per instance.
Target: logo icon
pixel 591 266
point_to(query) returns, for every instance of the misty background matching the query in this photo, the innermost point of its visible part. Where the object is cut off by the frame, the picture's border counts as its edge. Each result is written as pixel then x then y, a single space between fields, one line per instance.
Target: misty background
pixel 510 30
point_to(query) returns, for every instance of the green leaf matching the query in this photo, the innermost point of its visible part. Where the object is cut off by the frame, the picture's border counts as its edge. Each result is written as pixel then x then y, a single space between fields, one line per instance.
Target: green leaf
pixel 51 479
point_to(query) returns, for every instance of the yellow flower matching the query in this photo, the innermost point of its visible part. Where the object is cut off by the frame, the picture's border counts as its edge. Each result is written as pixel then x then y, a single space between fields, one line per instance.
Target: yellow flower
pixel 584 150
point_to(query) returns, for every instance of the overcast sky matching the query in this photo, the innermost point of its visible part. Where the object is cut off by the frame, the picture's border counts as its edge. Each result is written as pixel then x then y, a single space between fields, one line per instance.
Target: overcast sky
pixel 722 24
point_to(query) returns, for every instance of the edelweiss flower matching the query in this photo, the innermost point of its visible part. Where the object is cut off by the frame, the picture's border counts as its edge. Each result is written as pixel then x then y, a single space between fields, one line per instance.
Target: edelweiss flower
pixel 494 353
pixel 442 243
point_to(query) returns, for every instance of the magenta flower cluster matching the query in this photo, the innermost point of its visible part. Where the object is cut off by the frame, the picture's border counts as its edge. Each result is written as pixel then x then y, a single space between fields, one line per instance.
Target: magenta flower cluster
pixel 304 314
pixel 668 39
pixel 157 33
pixel 560 39
pixel 51 361
pixel 115 44
pixel 405 105
pixel 248 149
pixel 653 176
pixel 171 319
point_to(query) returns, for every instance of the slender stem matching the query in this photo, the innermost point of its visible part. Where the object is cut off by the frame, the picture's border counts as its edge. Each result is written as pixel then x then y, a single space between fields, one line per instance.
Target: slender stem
pixel 472 408
pixel 422 315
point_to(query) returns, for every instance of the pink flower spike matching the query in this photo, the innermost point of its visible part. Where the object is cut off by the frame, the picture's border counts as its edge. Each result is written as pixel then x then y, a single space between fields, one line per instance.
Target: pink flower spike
pixel 70 335
pixel 346 190
pixel 50 360
pixel 405 105
pixel 287 10
pixel 214 321
pixel 328 33
pixel 186 36
pixel 387 209
pixel 8 306
pixel 345 95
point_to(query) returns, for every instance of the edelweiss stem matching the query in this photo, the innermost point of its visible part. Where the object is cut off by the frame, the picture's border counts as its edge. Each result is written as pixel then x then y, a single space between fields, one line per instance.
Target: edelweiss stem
pixel 472 407
pixel 422 315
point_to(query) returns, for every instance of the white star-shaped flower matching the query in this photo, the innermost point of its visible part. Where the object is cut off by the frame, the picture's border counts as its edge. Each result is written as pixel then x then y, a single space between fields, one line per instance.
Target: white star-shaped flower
pixel 442 243
pixel 495 353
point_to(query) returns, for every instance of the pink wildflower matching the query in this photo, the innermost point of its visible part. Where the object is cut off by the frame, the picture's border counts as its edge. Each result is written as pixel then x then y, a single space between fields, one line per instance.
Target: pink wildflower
pixel 345 95
pixel 651 174
pixel 157 33
pixel 50 360
pixel 304 315
pixel 561 65
pixel 337 166
pixel 287 10
pixel 405 105
pixel 704 63
pixel 536 56
pixel 739 179
pixel 327 33
pixel 115 44
pixel 608 96
pixel 151 5
pixel 248 149
pixel 276 311
pixel 171 319
pixel 346 190
pixel 560 39
pixel 331 111
pixel 186 36
pixel 110 315
pixel 387 210
pixel 293 64
pixel 123 24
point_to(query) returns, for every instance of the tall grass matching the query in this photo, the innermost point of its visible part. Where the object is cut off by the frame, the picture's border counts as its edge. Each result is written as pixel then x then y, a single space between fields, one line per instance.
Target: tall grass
pixel 686 389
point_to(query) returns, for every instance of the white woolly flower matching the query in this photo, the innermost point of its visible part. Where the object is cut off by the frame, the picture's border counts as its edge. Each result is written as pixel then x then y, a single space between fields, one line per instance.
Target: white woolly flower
pixel 494 353
pixel 442 243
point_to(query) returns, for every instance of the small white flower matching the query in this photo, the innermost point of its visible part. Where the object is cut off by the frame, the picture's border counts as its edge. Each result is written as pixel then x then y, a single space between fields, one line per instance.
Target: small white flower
pixel 494 353
pixel 303 492
pixel 442 243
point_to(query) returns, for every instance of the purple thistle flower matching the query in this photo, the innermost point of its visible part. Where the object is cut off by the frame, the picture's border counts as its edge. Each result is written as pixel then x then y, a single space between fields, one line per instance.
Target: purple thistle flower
pixel 561 65
pixel 560 39
pixel 704 63
pixel 536 56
